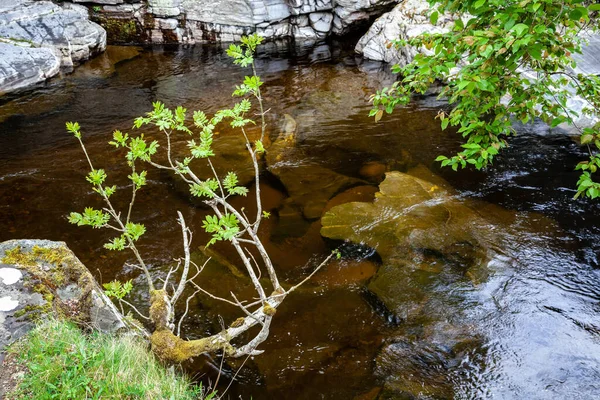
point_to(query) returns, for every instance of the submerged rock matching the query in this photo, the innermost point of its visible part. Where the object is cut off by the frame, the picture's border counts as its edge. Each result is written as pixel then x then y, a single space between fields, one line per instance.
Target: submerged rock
pixel 424 234
pixel 310 186
pixel 40 278
pixel 412 214
pixel 38 35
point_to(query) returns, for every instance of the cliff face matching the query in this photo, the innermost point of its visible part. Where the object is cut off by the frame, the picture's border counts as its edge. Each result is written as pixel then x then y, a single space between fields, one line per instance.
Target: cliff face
pixel 194 21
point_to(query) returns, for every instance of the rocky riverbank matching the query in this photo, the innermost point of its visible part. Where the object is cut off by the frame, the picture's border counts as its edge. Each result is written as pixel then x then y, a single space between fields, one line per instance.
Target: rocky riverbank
pixel 199 21
pixel 39 39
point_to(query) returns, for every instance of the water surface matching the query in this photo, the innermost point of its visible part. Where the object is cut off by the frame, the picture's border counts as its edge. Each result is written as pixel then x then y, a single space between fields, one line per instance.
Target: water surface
pixel 531 326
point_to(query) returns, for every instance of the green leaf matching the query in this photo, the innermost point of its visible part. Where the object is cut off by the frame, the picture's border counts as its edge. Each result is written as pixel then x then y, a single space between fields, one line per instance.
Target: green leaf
pixel 478 4
pixel 587 138
pixel 433 18
pixel 535 51
pixel 74 128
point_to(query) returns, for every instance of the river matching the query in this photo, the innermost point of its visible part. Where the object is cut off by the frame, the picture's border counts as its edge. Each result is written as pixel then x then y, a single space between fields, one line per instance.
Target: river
pixel 532 322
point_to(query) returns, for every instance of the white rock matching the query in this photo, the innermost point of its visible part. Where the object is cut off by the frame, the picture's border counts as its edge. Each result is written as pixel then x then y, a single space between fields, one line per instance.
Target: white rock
pixel 22 67
pixel 408 19
pixel 66 30
pixel 321 22
pixel 165 8
pixel 10 276
pixel 110 2
pixel 274 18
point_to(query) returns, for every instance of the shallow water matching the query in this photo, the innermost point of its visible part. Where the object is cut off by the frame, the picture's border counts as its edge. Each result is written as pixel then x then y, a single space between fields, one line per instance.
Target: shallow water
pixel 528 329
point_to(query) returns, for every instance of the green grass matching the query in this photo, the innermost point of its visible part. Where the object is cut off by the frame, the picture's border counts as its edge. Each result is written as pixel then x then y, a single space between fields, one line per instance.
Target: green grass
pixel 64 363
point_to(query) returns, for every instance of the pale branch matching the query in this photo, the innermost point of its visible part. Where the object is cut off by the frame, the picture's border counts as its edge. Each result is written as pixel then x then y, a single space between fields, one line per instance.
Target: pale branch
pixel 256 177
pixel 259 246
pixel 212 296
pixel 134 309
pixel 134 189
pixel 255 263
pixel 187 306
pixel 244 309
pixel 238 248
pixel 171 271
pixel 250 347
pixel 186 262
pixel 323 263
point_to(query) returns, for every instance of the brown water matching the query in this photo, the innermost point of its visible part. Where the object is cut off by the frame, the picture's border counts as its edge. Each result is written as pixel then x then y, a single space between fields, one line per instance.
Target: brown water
pixel 528 329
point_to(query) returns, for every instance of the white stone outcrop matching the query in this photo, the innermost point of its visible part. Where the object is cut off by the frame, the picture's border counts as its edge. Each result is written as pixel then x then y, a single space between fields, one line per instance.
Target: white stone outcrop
pixel 227 20
pixel 38 38
pixel 408 19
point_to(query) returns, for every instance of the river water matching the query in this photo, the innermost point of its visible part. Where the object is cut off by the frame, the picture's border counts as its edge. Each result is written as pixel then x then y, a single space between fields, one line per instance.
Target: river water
pixel 528 329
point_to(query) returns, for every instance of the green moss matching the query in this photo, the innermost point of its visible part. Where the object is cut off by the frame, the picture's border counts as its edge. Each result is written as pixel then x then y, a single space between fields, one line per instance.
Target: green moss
pixel 173 349
pixel 269 310
pixel 120 30
pixel 48 270
pixel 60 260
pixel 159 309
pixel 238 322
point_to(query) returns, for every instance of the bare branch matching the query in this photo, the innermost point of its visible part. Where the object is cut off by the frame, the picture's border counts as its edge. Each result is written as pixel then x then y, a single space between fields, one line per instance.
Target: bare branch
pixel 134 309
pixel 186 262
pixel 187 305
pixel 171 271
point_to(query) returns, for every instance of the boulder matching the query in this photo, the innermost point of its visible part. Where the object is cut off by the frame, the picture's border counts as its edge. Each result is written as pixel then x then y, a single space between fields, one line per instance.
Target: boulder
pixel 408 19
pixel 24 66
pixel 38 37
pixel 41 278
pixel 64 29
pixel 228 20
pixel 421 230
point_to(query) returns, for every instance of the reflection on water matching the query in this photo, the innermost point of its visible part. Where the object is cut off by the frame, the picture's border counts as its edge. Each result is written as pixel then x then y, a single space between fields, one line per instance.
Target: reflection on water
pixel 528 329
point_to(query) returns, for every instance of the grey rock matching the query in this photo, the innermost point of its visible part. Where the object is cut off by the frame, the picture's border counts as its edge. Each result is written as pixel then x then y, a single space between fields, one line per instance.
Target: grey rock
pixel 66 30
pixel 165 8
pixel 21 67
pixel 45 278
pixel 408 19
pixel 40 37
pixel 109 2
pixel 227 20
pixel 321 21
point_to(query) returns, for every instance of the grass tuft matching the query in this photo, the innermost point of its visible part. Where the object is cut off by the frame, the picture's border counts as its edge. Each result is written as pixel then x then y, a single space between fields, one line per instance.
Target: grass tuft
pixel 64 363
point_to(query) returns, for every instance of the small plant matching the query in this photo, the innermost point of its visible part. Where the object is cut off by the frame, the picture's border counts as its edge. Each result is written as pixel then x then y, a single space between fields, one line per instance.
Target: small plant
pixel 226 224
pixel 97 9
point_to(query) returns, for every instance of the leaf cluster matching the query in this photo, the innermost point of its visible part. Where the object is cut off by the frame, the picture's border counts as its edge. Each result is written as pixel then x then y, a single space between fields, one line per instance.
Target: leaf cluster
pixel 118 290
pixel 501 60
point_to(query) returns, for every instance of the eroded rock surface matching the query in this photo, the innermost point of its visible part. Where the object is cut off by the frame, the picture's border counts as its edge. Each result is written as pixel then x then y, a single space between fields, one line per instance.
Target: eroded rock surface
pixel 37 38
pixel 408 19
pixel 40 278
pixel 194 21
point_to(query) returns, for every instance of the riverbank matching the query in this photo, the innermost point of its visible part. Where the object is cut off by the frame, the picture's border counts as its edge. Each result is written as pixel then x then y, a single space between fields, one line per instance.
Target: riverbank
pixel 58 360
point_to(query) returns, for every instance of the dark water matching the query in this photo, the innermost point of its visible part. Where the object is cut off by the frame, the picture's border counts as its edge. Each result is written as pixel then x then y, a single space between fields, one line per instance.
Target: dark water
pixel 535 316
